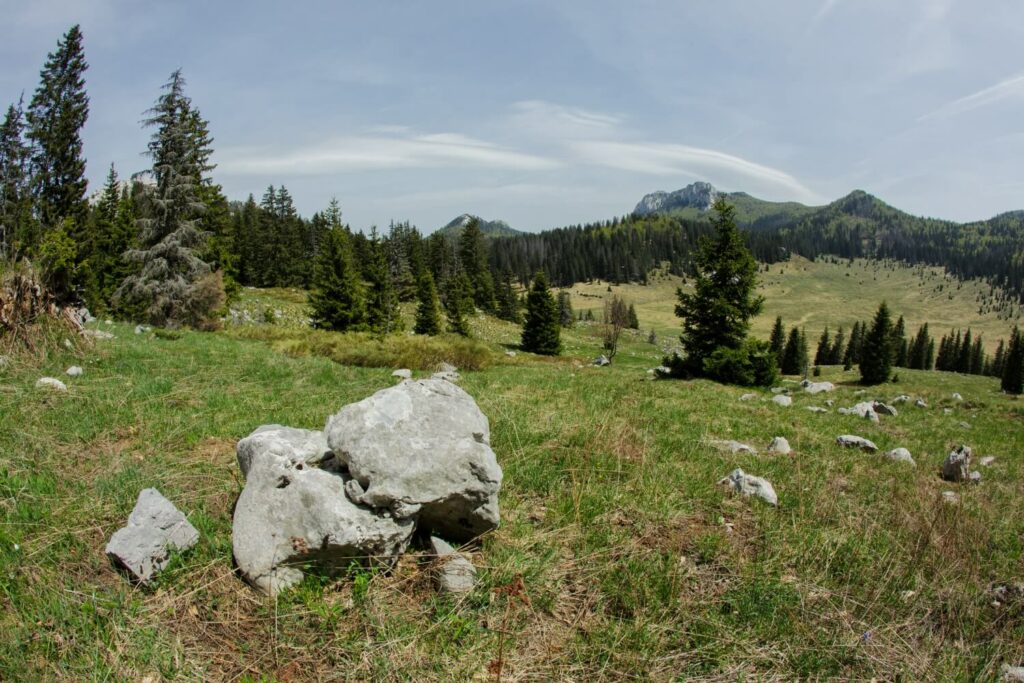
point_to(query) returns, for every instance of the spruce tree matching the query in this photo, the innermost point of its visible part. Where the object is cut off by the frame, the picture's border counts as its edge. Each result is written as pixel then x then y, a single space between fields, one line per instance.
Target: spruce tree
pixel 458 303
pixel 337 297
pixel 794 355
pixel 900 349
pixel 428 310
pixel 508 302
pixel 16 223
pixel 852 355
pixel 777 342
pixel 717 314
pixel 876 353
pixel 565 315
pixel 999 361
pixel 382 312
pixel 56 115
pixel 173 286
pixel 963 362
pixel 835 355
pixel 1013 364
pixel 634 321
pixel 473 257
pixel 541 328
pixel 822 354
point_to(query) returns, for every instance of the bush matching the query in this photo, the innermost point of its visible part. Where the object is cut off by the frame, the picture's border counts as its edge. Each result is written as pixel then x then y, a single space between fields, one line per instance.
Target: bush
pixel 753 364
pixel 204 301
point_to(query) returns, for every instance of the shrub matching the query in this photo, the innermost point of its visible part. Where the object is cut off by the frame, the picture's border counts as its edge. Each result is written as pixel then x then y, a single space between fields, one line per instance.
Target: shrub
pixel 753 364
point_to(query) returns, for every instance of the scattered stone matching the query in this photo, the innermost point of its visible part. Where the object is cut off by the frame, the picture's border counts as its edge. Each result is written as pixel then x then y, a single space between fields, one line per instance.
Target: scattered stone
pixel 601 361
pixel 732 446
pixel 748 397
pixel 865 409
pixel 74 371
pixel 451 376
pixel 900 455
pixel 402 373
pixel 950 497
pixel 4 362
pixel 947 411
pixel 51 383
pixel 1012 673
pixel 97 334
pixel 902 398
pixel 817 409
pixel 421 449
pixel 155 528
pixel 883 409
pixel 748 485
pixel 830 403
pixel 662 371
pixel 510 354
pixel 817 387
pixel 780 390
pixel 906 596
pixel 143 329
pixel 779 445
pixel 286 446
pixel 446 367
pixel 782 400
pixel 964 425
pixel 920 403
pixel 860 392
pixel 987 460
pixel 851 441
pixel 974 477
pixel 455 573
pixel 957 396
pixel 68 345
pixel 957 465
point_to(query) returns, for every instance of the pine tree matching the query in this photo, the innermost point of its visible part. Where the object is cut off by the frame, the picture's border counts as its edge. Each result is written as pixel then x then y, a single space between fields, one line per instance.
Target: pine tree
pixel 963 362
pixel 852 355
pixel 565 314
pixel 56 115
pixel 835 354
pixel 717 314
pixel 999 361
pixel 508 302
pixel 541 329
pixel 458 303
pixel 174 286
pixel 876 353
pixel 794 355
pixel 977 365
pixel 634 321
pixel 777 342
pixel 900 348
pixel 16 224
pixel 337 297
pixel 1013 364
pixel 822 355
pixel 473 257
pixel 382 312
pixel 428 310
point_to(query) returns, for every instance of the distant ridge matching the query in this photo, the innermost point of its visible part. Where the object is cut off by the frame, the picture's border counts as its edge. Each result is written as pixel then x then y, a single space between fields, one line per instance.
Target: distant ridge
pixel 489 228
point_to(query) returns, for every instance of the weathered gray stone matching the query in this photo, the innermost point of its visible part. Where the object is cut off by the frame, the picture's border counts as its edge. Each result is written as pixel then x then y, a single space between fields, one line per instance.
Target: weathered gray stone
pixel 987 460
pixel 865 409
pixel 921 403
pixel 662 371
pixel 748 485
pixel 902 398
pixel 601 361
pixel 779 390
pixel 957 396
pixel 454 572
pixel 51 383
pixel 155 528
pixel 782 400
pixel 852 441
pixel 447 376
pixel 446 367
pixel 402 373
pixel 950 497
pixel 732 446
pixel 1012 673
pixel 900 455
pixel 510 354
pixel 883 409
pixel 817 409
pixel 290 515
pixel 947 411
pixel 957 465
pixel 779 445
pixel 74 371
pixel 98 334
pixel 748 397
pixel 817 387
pixel 421 448
pixel 830 403
pixel 299 448
pixel 142 329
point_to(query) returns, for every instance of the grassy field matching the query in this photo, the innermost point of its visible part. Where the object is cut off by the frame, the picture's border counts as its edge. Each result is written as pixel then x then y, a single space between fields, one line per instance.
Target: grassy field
pixel 813 294
pixel 634 564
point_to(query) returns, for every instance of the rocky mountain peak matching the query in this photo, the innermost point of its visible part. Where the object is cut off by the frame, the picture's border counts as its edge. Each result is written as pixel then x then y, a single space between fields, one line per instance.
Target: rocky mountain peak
pixel 699 195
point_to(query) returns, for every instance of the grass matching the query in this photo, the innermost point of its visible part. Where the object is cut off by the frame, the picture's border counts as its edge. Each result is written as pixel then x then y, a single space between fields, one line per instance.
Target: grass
pixel 618 557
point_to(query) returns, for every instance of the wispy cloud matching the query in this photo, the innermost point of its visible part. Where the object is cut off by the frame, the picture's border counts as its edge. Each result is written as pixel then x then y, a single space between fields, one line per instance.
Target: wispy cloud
pixel 696 162
pixel 382 152
pixel 551 120
pixel 1008 88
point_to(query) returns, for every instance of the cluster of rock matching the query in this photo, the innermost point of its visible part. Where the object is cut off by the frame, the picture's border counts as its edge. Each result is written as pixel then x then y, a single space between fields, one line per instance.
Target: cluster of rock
pixel 957 466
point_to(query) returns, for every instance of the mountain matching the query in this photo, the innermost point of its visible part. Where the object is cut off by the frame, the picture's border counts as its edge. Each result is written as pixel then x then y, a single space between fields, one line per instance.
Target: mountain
pixel 694 200
pixel 489 228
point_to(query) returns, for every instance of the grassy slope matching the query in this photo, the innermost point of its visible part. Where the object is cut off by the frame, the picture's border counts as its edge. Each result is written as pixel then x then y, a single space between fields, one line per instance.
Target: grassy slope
pixel 635 564
pixel 816 294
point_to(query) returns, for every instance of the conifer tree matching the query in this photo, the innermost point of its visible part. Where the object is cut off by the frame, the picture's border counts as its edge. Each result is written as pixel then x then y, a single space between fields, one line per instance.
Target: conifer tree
pixel 382 312
pixel 473 257
pixel 428 310
pixel 717 314
pixel 999 361
pixel 508 302
pixel 16 223
pixel 899 344
pixel 822 354
pixel 794 355
pixel 852 355
pixel 56 114
pixel 835 355
pixel 963 362
pixel 541 328
pixel 977 364
pixel 173 286
pixel 337 297
pixel 565 315
pixel 1013 364
pixel 458 303
pixel 634 321
pixel 876 352
pixel 777 342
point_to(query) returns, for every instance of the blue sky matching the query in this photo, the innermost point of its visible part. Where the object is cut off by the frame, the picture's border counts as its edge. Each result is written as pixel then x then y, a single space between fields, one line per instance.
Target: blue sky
pixel 545 114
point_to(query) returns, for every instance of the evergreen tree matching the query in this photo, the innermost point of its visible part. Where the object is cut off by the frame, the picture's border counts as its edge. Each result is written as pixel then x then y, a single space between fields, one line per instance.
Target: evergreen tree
pixel 794 355
pixel 917 358
pixel 900 348
pixel 977 365
pixel 382 312
pixel 999 361
pixel 717 314
pixel 16 224
pixel 337 297
pixel 634 321
pixel 508 302
pixel 428 310
pixel 1013 365
pixel 823 353
pixel 541 329
pixel 876 353
pixel 565 315
pixel 777 342
pixel 963 362
pixel 458 303
pixel 835 355
pixel 56 114
pixel 473 256
pixel 852 355
pixel 174 286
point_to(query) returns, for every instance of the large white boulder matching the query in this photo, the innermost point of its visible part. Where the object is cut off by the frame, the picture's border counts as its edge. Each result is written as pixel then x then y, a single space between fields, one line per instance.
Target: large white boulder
pixel 297 447
pixel 421 450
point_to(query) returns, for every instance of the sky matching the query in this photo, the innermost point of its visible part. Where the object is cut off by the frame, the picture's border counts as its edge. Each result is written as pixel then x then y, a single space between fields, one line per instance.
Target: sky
pixel 546 114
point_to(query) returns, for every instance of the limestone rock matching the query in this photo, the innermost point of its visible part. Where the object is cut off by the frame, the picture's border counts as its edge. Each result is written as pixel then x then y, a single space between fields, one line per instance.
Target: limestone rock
pixel 748 397
pixel 903 398
pixel 900 455
pixel 851 441
pixel 865 409
pixel 155 528
pixel 98 334
pixel 782 400
pixel 732 446
pixel 779 390
pixel 748 485
pixel 454 573
pixel 987 460
pixel 817 409
pixel 884 409
pixel 779 445
pixel 74 371
pixel 920 403
pixel 601 361
pixel 950 497
pixel 817 387
pixel 957 465
pixel 447 376
pixel 446 367
pixel 957 396
pixel 1012 673
pixel 421 448
pixel 51 383
pixel 298 448
pixel 402 373
pixel 510 354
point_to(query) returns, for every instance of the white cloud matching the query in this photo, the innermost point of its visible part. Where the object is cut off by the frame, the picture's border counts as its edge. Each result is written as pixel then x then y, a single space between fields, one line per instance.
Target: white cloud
pixel 982 98
pixel 382 152
pixel 550 120
pixel 705 164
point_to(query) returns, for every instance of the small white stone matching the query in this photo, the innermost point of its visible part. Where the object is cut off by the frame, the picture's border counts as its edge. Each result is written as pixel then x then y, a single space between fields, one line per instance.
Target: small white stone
pixel 74 371
pixel 51 383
